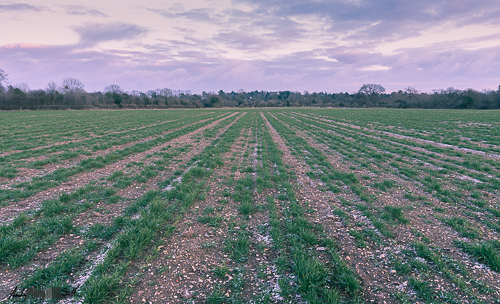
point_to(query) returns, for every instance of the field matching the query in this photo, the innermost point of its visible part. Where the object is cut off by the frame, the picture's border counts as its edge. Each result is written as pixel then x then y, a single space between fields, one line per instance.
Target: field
pixel 252 206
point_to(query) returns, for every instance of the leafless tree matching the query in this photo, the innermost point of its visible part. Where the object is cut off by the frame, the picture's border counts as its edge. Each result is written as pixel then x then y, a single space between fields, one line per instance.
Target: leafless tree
pixel 3 77
pixel 73 89
pixel 411 90
pixel 113 88
pixel 24 87
pixel 71 85
pixel 52 90
pixel 52 87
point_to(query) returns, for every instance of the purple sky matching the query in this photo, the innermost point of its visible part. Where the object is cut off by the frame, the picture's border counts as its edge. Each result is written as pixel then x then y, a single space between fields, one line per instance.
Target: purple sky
pixel 297 45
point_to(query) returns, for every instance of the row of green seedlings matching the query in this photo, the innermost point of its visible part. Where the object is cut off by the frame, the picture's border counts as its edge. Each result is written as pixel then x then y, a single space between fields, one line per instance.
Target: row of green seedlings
pixel 318 276
pixel 421 263
pixel 9 169
pixel 159 211
pixel 45 129
pixel 237 244
pixel 24 238
pixel 435 187
pixel 389 214
pixel 37 184
pixel 392 213
pixel 472 162
pixel 93 143
pixel 207 217
pixel 416 124
pixel 242 160
pixel 333 179
pixel 57 271
pixel 460 224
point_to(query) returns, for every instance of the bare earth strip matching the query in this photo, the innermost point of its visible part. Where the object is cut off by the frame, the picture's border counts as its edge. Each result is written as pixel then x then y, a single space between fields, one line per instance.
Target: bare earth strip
pixel 134 192
pixel 362 261
pixel 11 211
pixel 12 278
pixel 190 257
pixel 188 265
pixel 440 234
pixel 27 174
pixel 425 141
pixel 82 139
pixel 419 149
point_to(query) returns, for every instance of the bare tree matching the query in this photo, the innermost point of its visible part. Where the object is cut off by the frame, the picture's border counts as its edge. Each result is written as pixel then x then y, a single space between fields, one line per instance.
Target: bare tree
pixel 411 90
pixel 113 88
pixel 3 77
pixel 52 90
pixel 72 88
pixel 52 87
pixel 72 85
pixel 24 87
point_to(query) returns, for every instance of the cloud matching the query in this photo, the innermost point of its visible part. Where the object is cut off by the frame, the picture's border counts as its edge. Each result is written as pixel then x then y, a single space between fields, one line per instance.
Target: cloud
pixel 82 10
pixel 22 7
pixel 241 40
pixel 375 67
pixel 320 45
pixel 386 19
pixel 93 33
pixel 198 15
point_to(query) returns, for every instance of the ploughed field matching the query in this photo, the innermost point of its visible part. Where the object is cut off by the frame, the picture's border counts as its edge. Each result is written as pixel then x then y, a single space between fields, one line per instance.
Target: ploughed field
pixel 252 205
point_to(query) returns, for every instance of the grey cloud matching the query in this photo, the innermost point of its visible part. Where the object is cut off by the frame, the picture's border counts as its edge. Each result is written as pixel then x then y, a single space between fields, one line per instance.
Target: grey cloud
pixel 385 19
pixel 241 40
pixel 203 15
pixel 82 10
pixel 426 68
pixel 93 33
pixel 239 26
pixel 22 7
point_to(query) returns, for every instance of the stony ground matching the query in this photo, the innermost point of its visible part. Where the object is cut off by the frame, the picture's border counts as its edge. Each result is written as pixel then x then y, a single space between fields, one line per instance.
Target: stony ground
pixel 254 206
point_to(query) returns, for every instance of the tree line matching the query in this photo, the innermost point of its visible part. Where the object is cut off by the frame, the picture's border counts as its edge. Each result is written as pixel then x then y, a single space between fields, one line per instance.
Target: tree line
pixel 70 94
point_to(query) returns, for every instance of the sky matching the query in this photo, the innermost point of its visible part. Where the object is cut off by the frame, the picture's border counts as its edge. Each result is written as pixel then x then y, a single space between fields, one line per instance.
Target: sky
pixel 273 45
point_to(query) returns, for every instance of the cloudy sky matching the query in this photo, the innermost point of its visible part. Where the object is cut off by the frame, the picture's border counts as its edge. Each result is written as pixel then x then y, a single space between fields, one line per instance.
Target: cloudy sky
pixel 297 45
